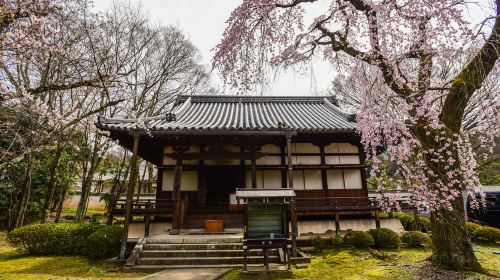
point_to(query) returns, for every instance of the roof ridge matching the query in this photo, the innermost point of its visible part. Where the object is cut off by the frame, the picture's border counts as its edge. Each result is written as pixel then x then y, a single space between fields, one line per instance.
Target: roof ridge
pixel 251 98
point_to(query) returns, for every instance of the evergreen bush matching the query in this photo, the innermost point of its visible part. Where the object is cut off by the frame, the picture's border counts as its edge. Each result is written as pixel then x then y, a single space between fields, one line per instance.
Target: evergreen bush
pixel 63 238
pixel 104 242
pixel 481 233
pixel 359 239
pixel 385 238
pixel 415 239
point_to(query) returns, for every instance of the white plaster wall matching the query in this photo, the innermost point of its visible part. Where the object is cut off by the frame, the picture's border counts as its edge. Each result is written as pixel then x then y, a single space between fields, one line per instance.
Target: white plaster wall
pixel 248 179
pixel 298 179
pixel 332 159
pixel 189 180
pixel 347 148
pixel 322 226
pixel 334 178
pixel 352 179
pixel 136 230
pixel 349 159
pixel 271 179
pixel 313 180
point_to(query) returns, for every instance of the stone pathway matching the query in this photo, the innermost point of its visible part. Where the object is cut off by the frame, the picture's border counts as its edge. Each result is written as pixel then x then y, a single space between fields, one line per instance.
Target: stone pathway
pixel 188 274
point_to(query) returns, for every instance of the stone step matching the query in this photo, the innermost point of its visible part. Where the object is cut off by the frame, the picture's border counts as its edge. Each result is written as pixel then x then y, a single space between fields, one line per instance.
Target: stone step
pixel 200 253
pixel 187 246
pixel 194 240
pixel 157 268
pixel 204 260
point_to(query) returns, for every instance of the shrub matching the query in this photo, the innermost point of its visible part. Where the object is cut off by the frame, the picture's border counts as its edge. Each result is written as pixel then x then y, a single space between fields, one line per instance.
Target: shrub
pixel 95 218
pixel 58 239
pixel 104 242
pixel 336 240
pixel 471 228
pixel 424 224
pixel 415 239
pixel 64 238
pixel 318 243
pixel 385 238
pixel 488 234
pixel 359 239
pixel 409 223
pixel 404 218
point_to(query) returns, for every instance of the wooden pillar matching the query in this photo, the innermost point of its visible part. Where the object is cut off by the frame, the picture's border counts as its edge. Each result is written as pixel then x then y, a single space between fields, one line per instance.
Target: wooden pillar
pixel 324 180
pixel 254 171
pixel 176 190
pixel 242 175
pixel 293 217
pixel 202 182
pixel 288 136
pixel 130 194
pixel 147 219
pixel 337 223
pixel 283 164
pixel 176 195
pixel 377 219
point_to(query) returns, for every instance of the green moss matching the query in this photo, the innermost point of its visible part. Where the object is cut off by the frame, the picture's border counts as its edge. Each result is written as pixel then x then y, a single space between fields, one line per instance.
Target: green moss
pixel 350 263
pixel 15 265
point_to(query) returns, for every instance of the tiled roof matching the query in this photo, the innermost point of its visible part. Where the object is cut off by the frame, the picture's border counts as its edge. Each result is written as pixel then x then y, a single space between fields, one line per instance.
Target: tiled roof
pixel 243 113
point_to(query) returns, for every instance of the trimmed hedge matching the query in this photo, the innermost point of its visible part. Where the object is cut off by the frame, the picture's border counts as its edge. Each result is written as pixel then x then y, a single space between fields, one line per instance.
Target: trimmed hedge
pixel 410 224
pixel 481 233
pixel 415 239
pixel 64 238
pixel 104 242
pixel 385 238
pixel 359 239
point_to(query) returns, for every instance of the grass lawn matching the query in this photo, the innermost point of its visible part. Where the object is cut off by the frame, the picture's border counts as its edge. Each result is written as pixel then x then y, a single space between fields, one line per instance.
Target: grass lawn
pixel 16 265
pixel 391 264
pixel 331 264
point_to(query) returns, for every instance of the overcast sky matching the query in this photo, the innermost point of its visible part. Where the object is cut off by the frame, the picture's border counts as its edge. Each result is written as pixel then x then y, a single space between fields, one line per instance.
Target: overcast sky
pixel 204 21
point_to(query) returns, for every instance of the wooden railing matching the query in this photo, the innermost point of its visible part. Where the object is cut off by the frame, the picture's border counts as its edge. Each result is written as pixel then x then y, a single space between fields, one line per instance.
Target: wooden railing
pixel 335 203
pixel 153 207
pixel 146 206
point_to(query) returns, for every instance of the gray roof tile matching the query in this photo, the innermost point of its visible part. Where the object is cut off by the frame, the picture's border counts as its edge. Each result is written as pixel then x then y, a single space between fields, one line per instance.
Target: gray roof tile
pixel 243 113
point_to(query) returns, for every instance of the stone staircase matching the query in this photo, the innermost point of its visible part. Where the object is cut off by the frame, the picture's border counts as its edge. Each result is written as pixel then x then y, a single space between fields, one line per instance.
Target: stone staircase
pixel 155 254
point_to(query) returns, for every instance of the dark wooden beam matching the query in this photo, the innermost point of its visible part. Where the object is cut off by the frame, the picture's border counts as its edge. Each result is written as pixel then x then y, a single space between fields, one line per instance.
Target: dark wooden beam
pixel 254 173
pixel 288 137
pixel 202 182
pixel 217 155
pixel 324 179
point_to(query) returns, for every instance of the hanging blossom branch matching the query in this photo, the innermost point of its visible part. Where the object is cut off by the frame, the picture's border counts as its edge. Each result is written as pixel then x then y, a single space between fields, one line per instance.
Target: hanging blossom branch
pixel 411 113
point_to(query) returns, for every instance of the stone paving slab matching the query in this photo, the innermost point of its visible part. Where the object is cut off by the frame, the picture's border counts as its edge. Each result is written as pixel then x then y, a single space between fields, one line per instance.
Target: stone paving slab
pixel 188 274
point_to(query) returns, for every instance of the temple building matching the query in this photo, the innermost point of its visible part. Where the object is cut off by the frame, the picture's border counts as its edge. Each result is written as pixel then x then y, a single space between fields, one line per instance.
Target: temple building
pixel 206 147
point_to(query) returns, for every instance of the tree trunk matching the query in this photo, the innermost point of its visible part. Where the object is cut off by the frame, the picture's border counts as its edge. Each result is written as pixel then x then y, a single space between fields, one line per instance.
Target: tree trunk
pixel 451 242
pixel 87 182
pixel 54 170
pixel 25 194
pixel 60 204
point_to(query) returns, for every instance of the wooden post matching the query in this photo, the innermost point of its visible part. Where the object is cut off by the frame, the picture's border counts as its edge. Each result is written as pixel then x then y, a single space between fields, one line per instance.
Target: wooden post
pixel 176 195
pixel 147 219
pixel 337 223
pixel 254 171
pixel 130 194
pixel 283 164
pixel 324 180
pixel 202 182
pixel 289 159
pixel 377 219
pixel 293 215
